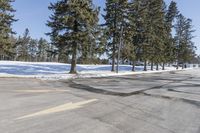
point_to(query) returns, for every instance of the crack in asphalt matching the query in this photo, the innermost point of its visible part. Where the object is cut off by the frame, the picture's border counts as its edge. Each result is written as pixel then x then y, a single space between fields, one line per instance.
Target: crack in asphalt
pixel 107 92
pixel 188 85
pixel 193 102
pixel 183 92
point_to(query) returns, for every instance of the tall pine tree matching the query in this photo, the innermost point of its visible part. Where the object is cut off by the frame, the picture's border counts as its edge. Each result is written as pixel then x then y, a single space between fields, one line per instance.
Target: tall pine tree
pixel 156 32
pixel 138 19
pixel 169 52
pixel 116 18
pixel 185 48
pixel 72 23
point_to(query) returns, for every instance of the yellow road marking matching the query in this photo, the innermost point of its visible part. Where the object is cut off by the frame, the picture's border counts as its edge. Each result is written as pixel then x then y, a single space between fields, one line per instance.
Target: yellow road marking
pixel 42 91
pixel 61 108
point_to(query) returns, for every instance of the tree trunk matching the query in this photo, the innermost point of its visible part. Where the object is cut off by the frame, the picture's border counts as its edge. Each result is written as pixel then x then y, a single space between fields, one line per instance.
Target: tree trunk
pixel 177 65
pixel 74 60
pixel 113 58
pixel 152 66
pixel 114 38
pixel 157 67
pixel 123 61
pixel 163 66
pixel 182 65
pixel 133 68
pixel 145 65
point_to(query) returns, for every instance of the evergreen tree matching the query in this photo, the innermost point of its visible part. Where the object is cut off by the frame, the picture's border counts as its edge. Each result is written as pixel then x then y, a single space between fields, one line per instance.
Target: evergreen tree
pixel 52 52
pixel 32 49
pixel 22 46
pixel 139 12
pixel 13 42
pixel 156 32
pixel 185 49
pixel 111 27
pixel 6 20
pixel 188 51
pixel 170 16
pixel 116 18
pixel 150 31
pixel 72 23
pixel 43 46
pixel 128 30
pixel 148 18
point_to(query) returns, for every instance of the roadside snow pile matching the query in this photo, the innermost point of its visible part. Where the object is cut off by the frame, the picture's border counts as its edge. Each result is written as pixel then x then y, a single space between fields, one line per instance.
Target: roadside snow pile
pixel 56 71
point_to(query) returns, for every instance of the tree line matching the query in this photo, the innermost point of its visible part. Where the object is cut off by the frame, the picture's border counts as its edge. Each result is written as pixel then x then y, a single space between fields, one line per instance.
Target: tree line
pixel 25 48
pixel 133 31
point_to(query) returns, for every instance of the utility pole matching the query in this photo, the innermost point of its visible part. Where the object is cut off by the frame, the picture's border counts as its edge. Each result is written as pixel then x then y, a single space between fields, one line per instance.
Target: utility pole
pixel 119 47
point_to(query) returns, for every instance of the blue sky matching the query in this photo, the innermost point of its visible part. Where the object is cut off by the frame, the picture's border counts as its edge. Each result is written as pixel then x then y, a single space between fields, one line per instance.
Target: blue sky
pixel 33 14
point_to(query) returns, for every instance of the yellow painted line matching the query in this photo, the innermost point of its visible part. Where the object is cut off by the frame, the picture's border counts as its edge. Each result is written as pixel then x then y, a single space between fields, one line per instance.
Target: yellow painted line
pixel 41 91
pixel 60 108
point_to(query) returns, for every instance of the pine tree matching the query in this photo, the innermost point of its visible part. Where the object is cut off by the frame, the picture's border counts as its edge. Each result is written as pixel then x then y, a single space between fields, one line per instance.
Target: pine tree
pixel 52 52
pixel 43 46
pixel 111 28
pixel 128 30
pixel 190 49
pixel 6 20
pixel 116 16
pixel 156 32
pixel 185 49
pixel 170 16
pixel 22 46
pixel 148 17
pixel 138 20
pixel 72 24
pixel 32 49
pixel 13 53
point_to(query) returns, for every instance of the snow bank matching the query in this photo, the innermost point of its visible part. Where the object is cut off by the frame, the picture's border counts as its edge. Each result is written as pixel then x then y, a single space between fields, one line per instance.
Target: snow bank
pixel 57 71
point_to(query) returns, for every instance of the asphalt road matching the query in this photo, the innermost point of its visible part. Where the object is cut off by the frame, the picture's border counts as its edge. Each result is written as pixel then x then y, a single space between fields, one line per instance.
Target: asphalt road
pixel 151 103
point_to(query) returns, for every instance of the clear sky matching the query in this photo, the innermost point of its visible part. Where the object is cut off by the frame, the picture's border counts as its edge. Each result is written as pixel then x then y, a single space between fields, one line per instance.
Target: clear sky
pixel 33 14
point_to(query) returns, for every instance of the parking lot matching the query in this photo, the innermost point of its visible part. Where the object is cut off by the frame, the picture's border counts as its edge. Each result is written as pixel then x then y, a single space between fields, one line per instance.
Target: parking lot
pixel 150 103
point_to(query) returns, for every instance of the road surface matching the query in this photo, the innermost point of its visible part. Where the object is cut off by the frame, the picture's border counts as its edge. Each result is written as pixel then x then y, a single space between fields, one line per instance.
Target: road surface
pixel 150 103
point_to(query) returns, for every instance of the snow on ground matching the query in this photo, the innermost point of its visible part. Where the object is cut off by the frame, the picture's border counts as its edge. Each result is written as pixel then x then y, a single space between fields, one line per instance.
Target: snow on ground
pixel 56 71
